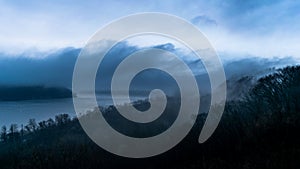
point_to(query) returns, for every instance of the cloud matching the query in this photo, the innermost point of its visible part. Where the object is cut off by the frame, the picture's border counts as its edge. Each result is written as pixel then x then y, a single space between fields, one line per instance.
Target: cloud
pixel 203 20
pixel 257 27
pixel 55 69
pixel 257 16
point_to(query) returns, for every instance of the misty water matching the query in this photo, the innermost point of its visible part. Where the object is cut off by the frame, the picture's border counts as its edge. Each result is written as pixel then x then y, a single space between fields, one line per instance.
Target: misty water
pixel 20 112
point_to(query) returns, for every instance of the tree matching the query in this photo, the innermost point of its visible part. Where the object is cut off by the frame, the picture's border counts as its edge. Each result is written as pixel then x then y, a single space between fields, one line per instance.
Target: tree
pixel 27 128
pixel 3 134
pixel 62 119
pixel 31 126
pixel 13 132
pixel 42 124
pixel 50 122
pixel 22 131
pixel 13 128
pixel 276 97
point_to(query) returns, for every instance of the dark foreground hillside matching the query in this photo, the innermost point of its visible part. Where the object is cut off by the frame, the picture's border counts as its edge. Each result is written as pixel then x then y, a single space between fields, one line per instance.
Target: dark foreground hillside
pixel 261 131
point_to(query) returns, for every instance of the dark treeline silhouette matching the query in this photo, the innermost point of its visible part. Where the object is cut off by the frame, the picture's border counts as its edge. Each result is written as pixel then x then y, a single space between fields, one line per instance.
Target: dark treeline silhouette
pixel 258 131
pixel 14 134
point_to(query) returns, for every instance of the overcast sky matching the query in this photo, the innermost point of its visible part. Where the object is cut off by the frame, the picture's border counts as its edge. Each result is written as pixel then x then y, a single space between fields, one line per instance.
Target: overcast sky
pixel 264 28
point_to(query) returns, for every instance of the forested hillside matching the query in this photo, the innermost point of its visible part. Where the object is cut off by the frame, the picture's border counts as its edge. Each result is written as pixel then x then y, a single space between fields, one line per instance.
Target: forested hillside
pixel 261 130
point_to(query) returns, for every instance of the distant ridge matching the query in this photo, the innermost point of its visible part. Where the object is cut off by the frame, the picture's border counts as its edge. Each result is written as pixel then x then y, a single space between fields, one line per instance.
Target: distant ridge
pixel 20 93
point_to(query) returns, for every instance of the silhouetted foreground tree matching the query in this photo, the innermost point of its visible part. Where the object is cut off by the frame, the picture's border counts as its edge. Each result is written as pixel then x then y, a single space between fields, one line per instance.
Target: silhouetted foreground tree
pixel 3 134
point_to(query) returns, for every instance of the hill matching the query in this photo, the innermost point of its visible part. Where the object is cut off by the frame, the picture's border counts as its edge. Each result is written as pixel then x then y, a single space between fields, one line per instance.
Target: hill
pixel 260 131
pixel 18 93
